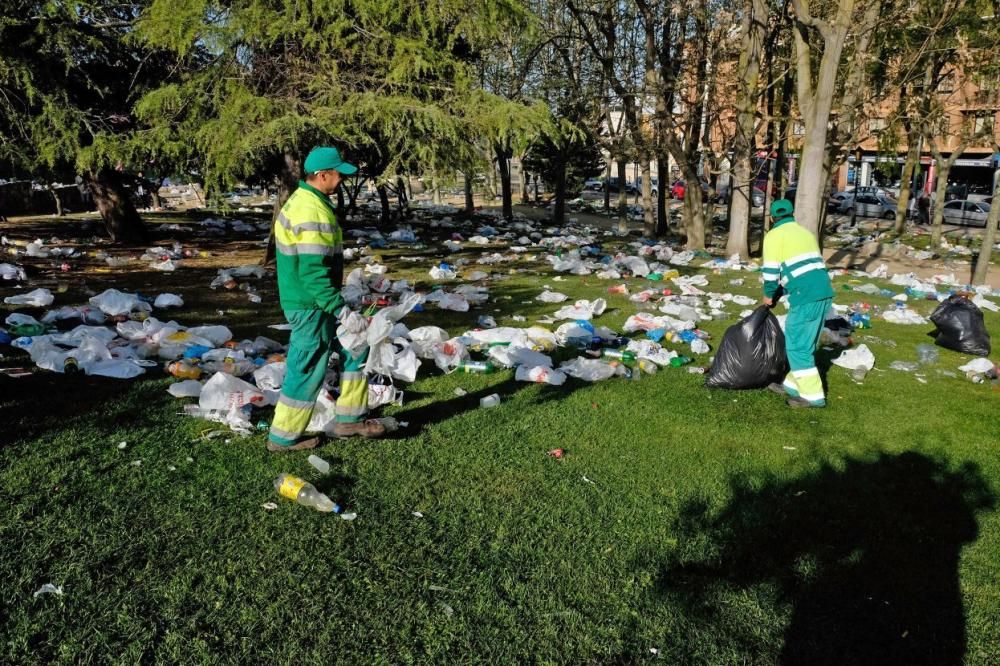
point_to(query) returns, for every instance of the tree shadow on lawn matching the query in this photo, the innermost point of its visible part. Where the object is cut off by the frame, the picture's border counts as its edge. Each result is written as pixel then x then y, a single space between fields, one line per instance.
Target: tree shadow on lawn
pixel 863 554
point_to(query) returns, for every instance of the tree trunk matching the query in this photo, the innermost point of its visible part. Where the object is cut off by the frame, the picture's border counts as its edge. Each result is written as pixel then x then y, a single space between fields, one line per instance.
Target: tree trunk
pixel 607 188
pixel 622 194
pixel 120 217
pixel 470 206
pixel 525 194
pixel 739 207
pixel 755 14
pixel 55 197
pixel 944 170
pixel 385 217
pixel 648 219
pixel 402 201
pixel 905 183
pixel 816 95
pixel 287 181
pixel 694 211
pixel 662 174
pixel 989 237
pixel 502 156
pixel 559 203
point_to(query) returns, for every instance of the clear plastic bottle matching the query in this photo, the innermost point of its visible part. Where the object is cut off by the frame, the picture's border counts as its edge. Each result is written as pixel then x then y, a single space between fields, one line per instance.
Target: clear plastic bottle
pixel 305 493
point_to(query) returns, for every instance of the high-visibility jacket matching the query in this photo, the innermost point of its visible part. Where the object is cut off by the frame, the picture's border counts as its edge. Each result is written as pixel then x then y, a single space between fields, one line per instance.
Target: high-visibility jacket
pixel 792 260
pixel 310 252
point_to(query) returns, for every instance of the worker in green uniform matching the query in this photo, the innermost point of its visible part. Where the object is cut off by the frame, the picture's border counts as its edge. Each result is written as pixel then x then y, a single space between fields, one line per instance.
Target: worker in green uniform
pixel 310 255
pixel 793 262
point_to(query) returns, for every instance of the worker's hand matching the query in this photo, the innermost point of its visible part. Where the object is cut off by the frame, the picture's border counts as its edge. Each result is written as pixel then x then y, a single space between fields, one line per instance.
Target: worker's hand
pixel 768 301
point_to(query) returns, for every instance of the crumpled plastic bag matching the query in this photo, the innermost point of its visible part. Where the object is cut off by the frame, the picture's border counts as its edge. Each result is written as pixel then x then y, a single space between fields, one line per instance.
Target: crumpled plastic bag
pixel 167 266
pixel 859 356
pixel 959 326
pixel 751 354
pixel 906 316
pixel 453 302
pixel 21 319
pixel 380 395
pixel 168 301
pixel 12 272
pixel 447 355
pixel 270 377
pixel 551 297
pixel 637 266
pixel 424 338
pixel 86 314
pixel 323 413
pixel 588 369
pixel 223 392
pixel 189 388
pixel 216 335
pixel 116 369
pixel 510 357
pixel 438 273
pixel 977 365
pixel 582 309
pixel 540 375
pixel 40 298
pixel 113 302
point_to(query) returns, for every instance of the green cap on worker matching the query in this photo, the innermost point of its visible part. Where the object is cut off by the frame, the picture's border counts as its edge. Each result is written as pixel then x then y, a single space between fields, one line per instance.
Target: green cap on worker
pixel 781 208
pixel 327 158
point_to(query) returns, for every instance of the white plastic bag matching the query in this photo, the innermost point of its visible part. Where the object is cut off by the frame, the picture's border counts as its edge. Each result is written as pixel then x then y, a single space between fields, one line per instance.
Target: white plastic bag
pixel 859 356
pixel 551 297
pixel 540 375
pixel 588 369
pixel 223 392
pixel 189 388
pixel 113 302
pixel 270 377
pixel 38 298
pixel 168 301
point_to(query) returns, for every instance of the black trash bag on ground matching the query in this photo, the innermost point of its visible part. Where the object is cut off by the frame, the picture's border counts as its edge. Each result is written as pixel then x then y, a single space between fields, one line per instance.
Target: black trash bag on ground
pixel 960 327
pixel 751 354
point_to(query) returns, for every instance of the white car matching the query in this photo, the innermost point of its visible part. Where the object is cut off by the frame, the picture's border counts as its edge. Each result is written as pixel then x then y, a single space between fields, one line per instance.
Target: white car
pixel 973 213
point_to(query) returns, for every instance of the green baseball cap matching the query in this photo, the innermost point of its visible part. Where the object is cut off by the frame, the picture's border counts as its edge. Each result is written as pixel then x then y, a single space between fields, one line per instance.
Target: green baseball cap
pixel 327 158
pixel 781 208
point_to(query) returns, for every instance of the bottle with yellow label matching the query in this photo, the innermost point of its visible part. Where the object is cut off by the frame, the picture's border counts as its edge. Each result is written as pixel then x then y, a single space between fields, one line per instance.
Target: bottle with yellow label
pixel 305 493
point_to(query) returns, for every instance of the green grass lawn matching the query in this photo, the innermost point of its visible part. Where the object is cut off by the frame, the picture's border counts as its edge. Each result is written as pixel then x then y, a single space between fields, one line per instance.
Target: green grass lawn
pixel 683 525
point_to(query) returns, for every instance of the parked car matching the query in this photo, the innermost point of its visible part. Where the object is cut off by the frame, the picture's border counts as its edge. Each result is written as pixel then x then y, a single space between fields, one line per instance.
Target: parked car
pixel 611 185
pixel 974 213
pixel 653 185
pixel 870 205
pixel 839 200
pixel 594 184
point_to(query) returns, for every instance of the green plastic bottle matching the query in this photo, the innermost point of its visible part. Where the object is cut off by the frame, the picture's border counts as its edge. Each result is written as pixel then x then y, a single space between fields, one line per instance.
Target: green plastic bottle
pixel 678 361
pixel 478 367
pixel 626 357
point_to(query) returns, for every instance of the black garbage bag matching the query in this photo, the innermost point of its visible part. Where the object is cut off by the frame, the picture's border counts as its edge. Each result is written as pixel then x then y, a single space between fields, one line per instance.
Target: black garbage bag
pixel 751 354
pixel 960 327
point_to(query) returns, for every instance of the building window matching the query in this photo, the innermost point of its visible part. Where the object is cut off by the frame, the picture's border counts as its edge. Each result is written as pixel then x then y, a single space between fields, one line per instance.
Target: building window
pixel 980 121
pixel 876 124
pixel 947 83
pixel 798 129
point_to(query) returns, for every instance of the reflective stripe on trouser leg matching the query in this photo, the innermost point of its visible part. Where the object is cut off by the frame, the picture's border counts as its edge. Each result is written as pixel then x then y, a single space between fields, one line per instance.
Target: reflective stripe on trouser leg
pixel 352 405
pixel 312 334
pixel 802 331
pixel 791 388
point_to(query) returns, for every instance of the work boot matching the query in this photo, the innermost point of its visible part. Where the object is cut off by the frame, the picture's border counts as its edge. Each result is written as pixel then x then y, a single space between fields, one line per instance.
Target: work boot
pixel 777 388
pixel 366 429
pixel 300 445
pixel 799 403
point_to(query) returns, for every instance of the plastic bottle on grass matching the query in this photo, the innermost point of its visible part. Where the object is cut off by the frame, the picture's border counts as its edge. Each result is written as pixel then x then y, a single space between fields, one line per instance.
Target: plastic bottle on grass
pixel 678 361
pixel 182 370
pixel 305 493
pixel 626 357
pixel 479 367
